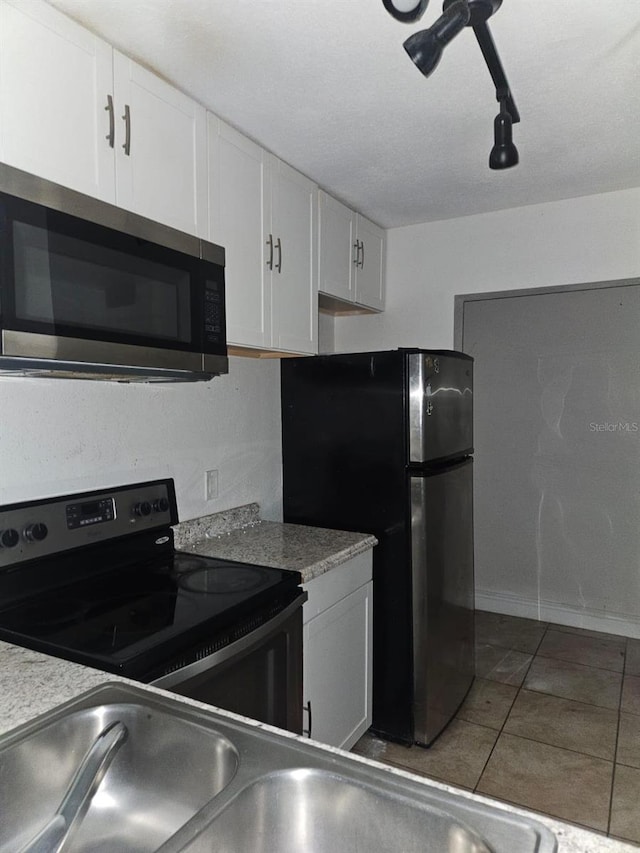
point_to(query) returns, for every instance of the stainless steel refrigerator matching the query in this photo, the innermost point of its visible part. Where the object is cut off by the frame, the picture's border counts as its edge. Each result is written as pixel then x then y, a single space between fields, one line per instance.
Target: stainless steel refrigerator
pixel 381 442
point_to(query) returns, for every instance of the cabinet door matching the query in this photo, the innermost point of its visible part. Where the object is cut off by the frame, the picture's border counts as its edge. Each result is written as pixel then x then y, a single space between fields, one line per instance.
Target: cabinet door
pixel 55 77
pixel 338 669
pixel 336 253
pixel 164 174
pixel 369 288
pixel 294 283
pixel 238 206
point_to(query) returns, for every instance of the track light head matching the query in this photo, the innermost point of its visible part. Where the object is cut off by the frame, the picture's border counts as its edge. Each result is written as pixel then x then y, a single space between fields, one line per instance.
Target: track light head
pixel 425 47
pixel 504 153
pixel 406 11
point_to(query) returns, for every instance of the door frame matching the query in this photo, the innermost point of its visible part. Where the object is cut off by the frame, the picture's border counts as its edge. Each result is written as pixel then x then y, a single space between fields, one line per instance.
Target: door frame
pixel 461 299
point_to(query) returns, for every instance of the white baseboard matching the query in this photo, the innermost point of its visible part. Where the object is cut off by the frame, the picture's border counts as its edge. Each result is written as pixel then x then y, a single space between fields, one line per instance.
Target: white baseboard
pixel 561 614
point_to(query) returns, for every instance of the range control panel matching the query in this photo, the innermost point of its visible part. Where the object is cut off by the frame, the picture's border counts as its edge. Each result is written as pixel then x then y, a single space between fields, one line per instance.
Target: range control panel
pixel 38 529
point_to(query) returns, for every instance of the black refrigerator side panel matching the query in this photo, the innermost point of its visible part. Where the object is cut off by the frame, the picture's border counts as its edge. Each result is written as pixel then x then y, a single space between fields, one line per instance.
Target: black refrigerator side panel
pixel 344 467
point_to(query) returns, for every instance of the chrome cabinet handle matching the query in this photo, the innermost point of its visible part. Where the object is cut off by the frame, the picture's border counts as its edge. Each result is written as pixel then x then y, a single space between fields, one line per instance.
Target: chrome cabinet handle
pixel 362 257
pixel 356 254
pixel 127 130
pixel 307 708
pixel 279 248
pixel 111 136
pixel 270 245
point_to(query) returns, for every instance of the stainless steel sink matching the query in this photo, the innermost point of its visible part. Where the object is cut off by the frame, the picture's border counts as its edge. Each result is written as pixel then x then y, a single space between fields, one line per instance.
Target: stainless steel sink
pixel 316 811
pixel 163 774
pixel 188 780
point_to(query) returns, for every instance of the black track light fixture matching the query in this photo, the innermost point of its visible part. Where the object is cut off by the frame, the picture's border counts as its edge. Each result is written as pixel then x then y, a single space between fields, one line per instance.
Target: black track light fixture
pixel 425 50
pixel 504 153
pixel 406 11
pixel 425 47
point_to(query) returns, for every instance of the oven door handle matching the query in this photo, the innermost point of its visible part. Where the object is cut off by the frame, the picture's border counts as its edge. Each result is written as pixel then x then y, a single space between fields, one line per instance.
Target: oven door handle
pixel 233 649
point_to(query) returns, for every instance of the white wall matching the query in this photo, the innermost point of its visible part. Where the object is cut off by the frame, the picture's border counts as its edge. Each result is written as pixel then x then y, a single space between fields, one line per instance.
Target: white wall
pixel 593 238
pixel 59 435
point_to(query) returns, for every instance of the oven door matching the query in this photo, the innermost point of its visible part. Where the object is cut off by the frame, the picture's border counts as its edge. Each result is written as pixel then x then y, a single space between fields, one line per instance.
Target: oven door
pixel 258 676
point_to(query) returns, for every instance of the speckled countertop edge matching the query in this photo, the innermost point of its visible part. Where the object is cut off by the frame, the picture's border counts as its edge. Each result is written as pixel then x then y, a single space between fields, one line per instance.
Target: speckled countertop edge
pixel 312 551
pixel 32 684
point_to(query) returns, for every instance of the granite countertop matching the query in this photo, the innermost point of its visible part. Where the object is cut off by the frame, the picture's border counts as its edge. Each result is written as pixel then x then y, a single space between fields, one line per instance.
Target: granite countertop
pixel 241 535
pixel 32 684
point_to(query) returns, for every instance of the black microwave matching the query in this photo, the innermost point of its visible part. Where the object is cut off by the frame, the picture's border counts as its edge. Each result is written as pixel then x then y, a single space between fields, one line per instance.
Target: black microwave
pixel 93 291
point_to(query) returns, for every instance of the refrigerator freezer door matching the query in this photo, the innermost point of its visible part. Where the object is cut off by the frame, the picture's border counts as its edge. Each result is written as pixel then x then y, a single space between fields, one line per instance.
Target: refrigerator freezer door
pixel 442 595
pixel 440 406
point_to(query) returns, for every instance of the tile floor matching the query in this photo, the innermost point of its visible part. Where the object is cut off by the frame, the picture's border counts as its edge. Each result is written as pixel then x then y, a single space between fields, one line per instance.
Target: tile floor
pixel 551 723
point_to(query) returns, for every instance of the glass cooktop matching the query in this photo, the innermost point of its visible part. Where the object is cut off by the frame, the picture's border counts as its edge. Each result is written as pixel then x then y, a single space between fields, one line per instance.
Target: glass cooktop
pixel 130 618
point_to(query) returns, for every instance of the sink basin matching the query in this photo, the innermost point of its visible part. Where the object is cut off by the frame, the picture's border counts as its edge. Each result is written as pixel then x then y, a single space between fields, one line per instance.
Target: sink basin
pixel 316 811
pixel 165 771
pixel 191 780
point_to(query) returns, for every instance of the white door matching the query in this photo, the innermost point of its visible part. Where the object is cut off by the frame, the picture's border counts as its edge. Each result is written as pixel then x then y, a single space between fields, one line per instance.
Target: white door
pixel 294 292
pixel 338 669
pixel 369 289
pixel 238 211
pixel 55 79
pixel 336 252
pixel 161 149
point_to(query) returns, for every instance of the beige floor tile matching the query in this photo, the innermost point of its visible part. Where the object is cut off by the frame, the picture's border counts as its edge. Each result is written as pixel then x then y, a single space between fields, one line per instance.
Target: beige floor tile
pixel 504 665
pixel 565 723
pixel 509 632
pixel 629 740
pixel 458 756
pixel 589 651
pixel 625 813
pixel 631 694
pixel 574 681
pixel 632 666
pixel 545 778
pixel 488 703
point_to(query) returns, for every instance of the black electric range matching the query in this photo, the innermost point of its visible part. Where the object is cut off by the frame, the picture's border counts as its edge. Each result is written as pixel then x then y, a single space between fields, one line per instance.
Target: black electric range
pixel 94 578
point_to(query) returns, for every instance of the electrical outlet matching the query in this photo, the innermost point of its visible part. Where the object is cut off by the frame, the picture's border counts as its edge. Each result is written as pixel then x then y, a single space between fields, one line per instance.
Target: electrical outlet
pixel 211 484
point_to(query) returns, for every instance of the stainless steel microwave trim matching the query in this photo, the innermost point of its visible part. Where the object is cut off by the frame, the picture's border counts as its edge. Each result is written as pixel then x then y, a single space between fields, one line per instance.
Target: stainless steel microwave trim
pixel 29 354
pixel 233 650
pixel 46 368
pixel 32 345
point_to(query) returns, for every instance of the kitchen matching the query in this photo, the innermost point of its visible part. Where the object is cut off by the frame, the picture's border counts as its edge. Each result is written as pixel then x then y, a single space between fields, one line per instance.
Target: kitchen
pixel 138 432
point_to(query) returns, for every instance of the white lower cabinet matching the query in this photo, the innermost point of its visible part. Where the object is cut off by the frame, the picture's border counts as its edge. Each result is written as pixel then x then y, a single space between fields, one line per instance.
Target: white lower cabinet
pixel 338 664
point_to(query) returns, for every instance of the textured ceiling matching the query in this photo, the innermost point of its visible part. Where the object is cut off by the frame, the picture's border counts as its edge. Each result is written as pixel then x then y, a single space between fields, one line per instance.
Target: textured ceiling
pixel 327 86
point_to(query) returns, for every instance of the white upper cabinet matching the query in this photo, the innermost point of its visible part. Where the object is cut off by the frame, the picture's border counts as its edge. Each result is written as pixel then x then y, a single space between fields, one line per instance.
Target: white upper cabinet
pixel 369 264
pixel 337 255
pixel 76 112
pixel 294 295
pixel 263 213
pixel 55 78
pixel 350 257
pixel 238 212
pixel 161 149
